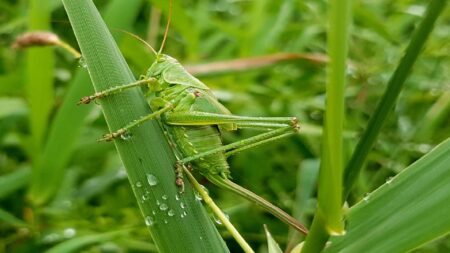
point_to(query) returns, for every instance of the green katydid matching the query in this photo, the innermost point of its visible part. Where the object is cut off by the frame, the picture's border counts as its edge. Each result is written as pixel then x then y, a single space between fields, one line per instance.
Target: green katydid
pixel 193 119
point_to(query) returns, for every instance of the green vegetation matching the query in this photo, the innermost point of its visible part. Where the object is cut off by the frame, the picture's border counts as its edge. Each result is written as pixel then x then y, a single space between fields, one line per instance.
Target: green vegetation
pixel 387 113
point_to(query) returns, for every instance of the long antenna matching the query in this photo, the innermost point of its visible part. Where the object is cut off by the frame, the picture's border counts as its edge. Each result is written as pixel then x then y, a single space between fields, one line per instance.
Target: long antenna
pixel 167 28
pixel 139 39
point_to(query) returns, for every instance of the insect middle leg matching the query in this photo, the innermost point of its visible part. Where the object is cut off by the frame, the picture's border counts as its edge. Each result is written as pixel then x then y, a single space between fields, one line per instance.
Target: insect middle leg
pixel 180 102
pixel 124 130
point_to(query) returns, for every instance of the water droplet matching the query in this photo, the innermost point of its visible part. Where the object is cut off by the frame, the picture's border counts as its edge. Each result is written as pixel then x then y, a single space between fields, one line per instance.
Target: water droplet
pixel 69 232
pixel 149 221
pixel 153 212
pixel 152 180
pixel 389 180
pixel 82 62
pixel 146 196
pixel 51 238
pixel 205 189
pixel 164 197
pixel 184 214
pixel 217 220
pixel 163 207
pixel 182 205
pixel 201 238
pixel 171 212
pixel 138 184
pixel 424 148
pixel 158 203
pixel 165 221
pixel 366 197
pixel 126 136
pixel 121 173
pixel 198 196
pixel 177 197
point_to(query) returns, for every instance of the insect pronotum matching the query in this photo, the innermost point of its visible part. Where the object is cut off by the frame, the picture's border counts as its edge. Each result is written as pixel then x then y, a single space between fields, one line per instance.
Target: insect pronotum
pixel 193 120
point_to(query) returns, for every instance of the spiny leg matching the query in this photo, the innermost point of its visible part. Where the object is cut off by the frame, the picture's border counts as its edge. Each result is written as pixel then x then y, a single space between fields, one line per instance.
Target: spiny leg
pixel 180 102
pixel 281 127
pixel 125 129
pixel 244 144
pixel 257 143
pixel 116 89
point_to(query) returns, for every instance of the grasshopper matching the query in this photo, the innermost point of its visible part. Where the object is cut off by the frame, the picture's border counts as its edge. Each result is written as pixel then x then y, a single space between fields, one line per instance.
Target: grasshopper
pixel 192 119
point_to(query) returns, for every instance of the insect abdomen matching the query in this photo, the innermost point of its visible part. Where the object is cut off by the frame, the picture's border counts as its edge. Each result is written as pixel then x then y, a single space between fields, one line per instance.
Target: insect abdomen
pixel 192 140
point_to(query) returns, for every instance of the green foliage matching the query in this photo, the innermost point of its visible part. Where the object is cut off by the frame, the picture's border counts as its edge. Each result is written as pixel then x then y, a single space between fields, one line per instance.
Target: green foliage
pixel 418 212
pixel 60 188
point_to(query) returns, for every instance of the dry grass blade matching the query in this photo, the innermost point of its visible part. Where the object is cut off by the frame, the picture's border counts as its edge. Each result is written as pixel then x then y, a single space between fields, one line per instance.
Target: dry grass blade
pixel 253 63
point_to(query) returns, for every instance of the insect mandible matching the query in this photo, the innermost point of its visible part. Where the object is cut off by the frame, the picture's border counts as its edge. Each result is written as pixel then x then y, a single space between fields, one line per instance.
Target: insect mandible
pixel 193 120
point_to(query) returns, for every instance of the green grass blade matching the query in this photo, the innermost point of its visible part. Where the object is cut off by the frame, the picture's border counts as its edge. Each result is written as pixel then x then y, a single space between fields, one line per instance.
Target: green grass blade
pixel 14 181
pixel 39 77
pixel 146 153
pixel 330 177
pixel 406 212
pixel 328 217
pixel 78 243
pixel 372 21
pixel 69 120
pixel 332 163
pixel 306 185
pixel 391 94
pixel 10 219
pixel 270 35
pixel 436 115
pixel 272 245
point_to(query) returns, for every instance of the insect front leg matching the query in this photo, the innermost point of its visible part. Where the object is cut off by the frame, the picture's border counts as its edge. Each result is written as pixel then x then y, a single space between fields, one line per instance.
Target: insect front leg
pixel 116 89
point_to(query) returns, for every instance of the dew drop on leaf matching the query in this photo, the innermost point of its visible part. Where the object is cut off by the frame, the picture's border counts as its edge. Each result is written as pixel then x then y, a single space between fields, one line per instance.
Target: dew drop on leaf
pixel 389 180
pixel 152 180
pixel 366 197
pixel 217 220
pixel 82 63
pixel 126 136
pixel 204 188
pixel 149 221
pixel 163 207
pixel 198 196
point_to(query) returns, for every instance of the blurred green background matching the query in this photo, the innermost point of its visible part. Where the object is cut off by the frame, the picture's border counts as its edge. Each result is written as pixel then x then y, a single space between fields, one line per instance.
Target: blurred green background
pixel 58 183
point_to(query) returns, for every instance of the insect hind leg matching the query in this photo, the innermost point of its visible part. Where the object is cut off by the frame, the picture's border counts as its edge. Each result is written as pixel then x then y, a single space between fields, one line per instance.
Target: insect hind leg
pixel 245 144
